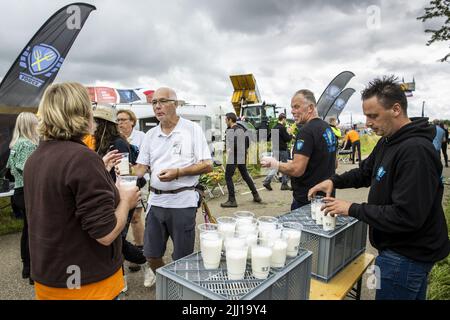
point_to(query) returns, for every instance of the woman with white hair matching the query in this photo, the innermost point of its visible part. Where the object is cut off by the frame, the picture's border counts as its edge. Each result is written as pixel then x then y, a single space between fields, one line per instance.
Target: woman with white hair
pixel 24 141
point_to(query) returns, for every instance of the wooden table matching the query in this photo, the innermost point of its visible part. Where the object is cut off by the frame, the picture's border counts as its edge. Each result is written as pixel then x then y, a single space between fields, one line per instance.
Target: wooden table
pixel 342 284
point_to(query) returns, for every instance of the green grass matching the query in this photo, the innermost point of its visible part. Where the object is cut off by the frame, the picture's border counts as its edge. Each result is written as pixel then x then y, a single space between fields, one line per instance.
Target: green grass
pixel 8 224
pixel 439 279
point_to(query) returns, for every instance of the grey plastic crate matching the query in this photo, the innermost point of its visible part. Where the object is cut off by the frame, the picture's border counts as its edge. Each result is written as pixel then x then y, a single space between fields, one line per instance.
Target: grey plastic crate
pixel 187 279
pixel 332 250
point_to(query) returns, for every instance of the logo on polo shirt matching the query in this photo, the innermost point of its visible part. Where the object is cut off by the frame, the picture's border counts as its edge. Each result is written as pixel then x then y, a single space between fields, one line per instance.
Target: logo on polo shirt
pixel 330 139
pixel 299 144
pixel 380 173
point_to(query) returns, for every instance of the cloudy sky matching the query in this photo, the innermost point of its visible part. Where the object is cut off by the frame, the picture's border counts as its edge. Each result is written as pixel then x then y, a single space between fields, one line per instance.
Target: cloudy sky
pixel 194 45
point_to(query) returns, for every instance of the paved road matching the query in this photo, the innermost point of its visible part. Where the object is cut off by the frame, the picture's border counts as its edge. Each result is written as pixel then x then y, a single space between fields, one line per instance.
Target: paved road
pixel 274 203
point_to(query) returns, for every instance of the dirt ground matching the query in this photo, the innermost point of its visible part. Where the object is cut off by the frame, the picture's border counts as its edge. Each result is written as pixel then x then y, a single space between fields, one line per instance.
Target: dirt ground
pixel 274 203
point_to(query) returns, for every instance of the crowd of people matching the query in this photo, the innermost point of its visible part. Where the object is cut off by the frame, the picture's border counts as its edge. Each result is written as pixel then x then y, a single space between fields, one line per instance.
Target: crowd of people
pixel 77 208
pixel 404 209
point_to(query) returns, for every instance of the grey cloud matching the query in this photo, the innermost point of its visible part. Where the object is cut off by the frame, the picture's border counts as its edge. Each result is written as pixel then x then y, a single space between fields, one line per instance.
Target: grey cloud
pixel 254 16
pixel 195 45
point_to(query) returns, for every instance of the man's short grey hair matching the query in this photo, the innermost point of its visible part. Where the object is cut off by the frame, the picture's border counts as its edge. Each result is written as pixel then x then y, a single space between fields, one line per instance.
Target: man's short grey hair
pixel 308 95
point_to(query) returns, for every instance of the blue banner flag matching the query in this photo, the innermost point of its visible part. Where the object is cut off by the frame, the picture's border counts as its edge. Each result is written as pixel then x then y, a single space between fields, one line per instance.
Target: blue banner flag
pixel 37 66
pixel 332 92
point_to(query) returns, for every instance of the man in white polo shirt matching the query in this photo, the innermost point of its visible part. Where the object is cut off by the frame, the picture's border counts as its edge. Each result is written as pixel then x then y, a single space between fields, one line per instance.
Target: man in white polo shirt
pixel 176 153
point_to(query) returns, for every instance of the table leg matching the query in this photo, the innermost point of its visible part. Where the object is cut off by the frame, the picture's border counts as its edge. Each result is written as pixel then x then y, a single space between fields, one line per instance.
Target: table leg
pixel 358 289
pixel 355 293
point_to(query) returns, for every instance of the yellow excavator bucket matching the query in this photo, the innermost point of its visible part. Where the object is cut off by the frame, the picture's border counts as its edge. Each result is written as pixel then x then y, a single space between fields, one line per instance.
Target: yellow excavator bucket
pixel 245 91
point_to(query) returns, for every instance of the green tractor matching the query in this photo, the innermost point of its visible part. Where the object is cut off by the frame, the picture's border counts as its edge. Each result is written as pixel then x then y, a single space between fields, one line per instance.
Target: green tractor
pixel 260 116
pixel 247 104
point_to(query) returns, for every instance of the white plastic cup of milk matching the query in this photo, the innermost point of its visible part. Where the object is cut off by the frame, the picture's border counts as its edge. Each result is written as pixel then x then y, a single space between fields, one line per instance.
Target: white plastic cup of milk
pixel 128 181
pixel 262 156
pixel 236 257
pixel 269 229
pixel 244 217
pixel 318 203
pixel 124 164
pixel 211 248
pixel 246 226
pixel 292 231
pixel 208 227
pixel 313 208
pixel 329 222
pixel 226 227
pixel 272 234
pixel 266 224
pixel 279 252
pixel 261 257
pixel 251 238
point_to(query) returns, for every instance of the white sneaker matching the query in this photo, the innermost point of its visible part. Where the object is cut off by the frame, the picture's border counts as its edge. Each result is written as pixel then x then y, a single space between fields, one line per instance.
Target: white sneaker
pixel 125 288
pixel 149 276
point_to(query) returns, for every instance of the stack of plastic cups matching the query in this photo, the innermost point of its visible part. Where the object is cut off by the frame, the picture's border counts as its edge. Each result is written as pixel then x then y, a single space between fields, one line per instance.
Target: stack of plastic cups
pixel 210 245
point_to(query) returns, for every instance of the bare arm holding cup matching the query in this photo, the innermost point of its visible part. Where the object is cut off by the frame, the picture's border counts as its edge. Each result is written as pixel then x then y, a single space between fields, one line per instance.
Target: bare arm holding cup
pixel 138 170
pixel 201 167
pixel 294 168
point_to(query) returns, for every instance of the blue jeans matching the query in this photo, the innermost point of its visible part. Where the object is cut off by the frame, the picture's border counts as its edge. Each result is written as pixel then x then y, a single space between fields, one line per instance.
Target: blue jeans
pixel 401 278
pixel 283 156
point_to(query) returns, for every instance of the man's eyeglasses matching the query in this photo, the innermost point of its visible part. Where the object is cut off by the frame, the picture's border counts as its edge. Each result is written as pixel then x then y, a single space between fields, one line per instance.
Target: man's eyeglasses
pixel 163 102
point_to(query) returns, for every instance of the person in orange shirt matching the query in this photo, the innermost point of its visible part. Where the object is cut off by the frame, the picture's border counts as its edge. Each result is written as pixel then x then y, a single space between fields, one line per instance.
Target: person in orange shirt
pixel 353 137
pixel 89 141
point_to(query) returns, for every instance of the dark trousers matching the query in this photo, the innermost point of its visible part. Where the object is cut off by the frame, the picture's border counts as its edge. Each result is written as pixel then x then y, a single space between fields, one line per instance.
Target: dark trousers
pixel 131 252
pixel 356 145
pixel 444 151
pixel 229 172
pixel 19 201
